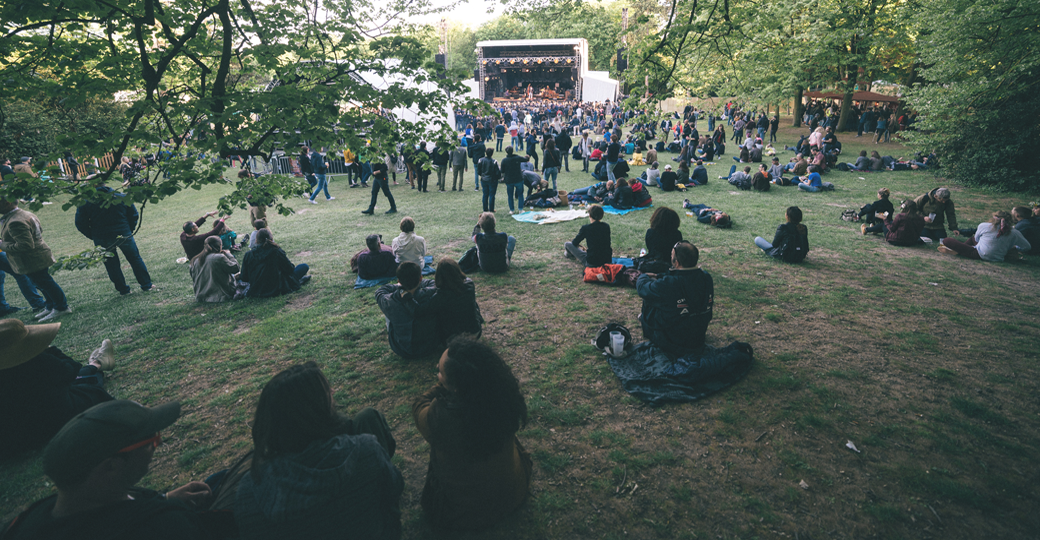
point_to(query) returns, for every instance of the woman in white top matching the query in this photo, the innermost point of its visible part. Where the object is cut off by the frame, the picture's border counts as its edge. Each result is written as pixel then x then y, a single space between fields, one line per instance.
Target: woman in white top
pixel 993 239
pixel 407 246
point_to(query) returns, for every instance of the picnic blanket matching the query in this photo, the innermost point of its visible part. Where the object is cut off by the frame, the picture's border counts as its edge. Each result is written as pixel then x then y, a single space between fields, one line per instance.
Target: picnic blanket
pixel 623 261
pixel 551 216
pixel 366 283
pixel 655 377
pixel 612 210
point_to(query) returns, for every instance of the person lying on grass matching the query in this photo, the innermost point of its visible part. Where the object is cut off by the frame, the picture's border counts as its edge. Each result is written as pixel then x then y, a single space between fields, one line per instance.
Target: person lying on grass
pixel 708 215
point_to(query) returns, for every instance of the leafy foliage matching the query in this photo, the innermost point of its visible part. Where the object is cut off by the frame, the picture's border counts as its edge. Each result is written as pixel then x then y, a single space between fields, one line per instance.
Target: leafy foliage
pixel 980 102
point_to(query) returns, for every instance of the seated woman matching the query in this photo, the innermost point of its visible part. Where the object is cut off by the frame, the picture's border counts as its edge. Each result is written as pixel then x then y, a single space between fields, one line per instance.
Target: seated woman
pixel 637 159
pixel 268 270
pixel 313 473
pixel 708 215
pixel 862 162
pixel 479 472
pixel 409 247
pixel 376 262
pixel 745 155
pixel 494 249
pixel 683 174
pixel 213 273
pixel 596 155
pixel 622 196
pixel 905 229
pixel 707 149
pixel 546 197
pixel 455 302
pixel 876 212
pixel 653 174
pixel 662 235
pixel 791 241
pixel 992 241
pixel 41 388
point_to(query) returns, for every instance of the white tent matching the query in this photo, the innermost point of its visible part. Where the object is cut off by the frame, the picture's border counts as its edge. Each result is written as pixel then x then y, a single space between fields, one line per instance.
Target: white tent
pixel 598 86
pixel 433 120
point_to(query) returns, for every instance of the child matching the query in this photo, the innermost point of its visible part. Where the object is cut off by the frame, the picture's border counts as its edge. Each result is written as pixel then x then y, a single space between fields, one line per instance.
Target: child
pixel 791 241
pixel 597 236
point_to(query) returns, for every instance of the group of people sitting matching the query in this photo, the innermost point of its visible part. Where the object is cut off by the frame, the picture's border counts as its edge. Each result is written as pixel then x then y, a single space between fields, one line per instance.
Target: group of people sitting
pixel 311 471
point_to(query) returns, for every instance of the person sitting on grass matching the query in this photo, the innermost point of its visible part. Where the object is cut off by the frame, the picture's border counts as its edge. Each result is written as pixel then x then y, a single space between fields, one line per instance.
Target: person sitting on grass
pixel 545 197
pixel 739 179
pixel 193 242
pixel 653 174
pixel 992 241
pixel 597 236
pixel 595 193
pixel 42 388
pixel 661 236
pixel 708 215
pixel 761 179
pixel 902 230
pixel 409 247
pixel 411 325
pixel 622 198
pixel 95 462
pixel 213 273
pixel 699 175
pixel 677 306
pixel 377 261
pixel 257 225
pixel 776 174
pixel 791 241
pixel 455 303
pixel 937 208
pixel 862 162
pixel 494 249
pixel 314 472
pixel 876 212
pixel 1029 226
pixel 669 179
pixel 813 182
pixel 479 472
pixel 268 270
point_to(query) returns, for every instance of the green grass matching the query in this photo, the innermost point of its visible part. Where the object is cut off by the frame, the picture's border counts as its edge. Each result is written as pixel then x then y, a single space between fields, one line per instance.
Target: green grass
pixel 933 383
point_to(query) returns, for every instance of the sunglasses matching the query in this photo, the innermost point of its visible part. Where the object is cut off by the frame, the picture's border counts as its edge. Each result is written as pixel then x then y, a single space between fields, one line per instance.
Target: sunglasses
pixel 154 440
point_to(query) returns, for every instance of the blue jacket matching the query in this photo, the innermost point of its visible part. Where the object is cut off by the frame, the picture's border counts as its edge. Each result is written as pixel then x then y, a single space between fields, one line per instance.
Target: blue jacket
pixel 116 218
pixel 318 163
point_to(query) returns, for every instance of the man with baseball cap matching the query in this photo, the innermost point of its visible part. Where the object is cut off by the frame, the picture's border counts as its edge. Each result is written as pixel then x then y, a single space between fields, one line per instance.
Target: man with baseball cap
pixel 95 462
pixel 41 388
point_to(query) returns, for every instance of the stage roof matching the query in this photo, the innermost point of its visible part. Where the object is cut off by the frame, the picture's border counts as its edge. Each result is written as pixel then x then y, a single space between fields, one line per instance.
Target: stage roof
pixel 529 42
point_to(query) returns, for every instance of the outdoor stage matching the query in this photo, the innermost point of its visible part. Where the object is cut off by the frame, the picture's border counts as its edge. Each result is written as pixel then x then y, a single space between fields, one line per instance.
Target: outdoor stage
pixel 555 69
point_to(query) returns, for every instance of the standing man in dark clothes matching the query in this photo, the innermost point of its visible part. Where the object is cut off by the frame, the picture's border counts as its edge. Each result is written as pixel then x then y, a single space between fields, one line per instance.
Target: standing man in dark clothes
pixel 564 144
pixel 532 146
pixel 613 153
pixel 380 181
pixel 422 161
pixel 305 167
pixel 459 166
pixel 500 135
pixel 110 224
pixel 597 237
pixel 513 177
pixel 441 158
pixel 476 153
pixel 193 242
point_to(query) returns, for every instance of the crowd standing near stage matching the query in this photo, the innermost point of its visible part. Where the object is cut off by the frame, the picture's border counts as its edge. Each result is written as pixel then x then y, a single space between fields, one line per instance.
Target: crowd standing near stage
pixel 308 461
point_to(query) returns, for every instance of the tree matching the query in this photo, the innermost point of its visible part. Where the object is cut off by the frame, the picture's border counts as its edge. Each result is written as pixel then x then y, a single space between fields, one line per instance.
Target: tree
pixel 980 104
pixel 213 78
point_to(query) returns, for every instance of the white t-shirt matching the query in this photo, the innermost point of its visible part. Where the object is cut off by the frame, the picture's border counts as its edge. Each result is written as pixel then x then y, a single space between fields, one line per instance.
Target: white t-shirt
pixel 993 248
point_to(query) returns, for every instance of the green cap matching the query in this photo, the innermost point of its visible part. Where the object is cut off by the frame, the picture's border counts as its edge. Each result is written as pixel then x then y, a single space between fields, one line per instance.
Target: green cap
pixel 99 433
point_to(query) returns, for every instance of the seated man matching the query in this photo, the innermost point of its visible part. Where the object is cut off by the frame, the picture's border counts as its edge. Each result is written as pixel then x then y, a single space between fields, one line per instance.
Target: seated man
pixel 592 194
pixel 597 235
pixel 40 387
pixel 95 462
pixel 699 174
pixel 1029 226
pixel 410 324
pixel 677 307
pixel 708 215
pixel 668 179
pixel 811 183
pixel 739 179
pixel 193 242
pixel 375 262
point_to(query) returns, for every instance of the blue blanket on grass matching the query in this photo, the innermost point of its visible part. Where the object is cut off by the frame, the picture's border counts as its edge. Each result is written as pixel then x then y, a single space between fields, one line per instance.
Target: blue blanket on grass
pixel 655 377
pixel 366 283
pixel 612 210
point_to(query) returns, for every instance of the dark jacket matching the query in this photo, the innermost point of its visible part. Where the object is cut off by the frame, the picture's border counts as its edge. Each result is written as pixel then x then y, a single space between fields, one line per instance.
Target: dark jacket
pixel 930 205
pixel 476 152
pixel 622 199
pixel 412 324
pixel 905 230
pixel 786 232
pixel 677 309
pixel 194 244
pixel 511 171
pixel 457 312
pixel 318 163
pixel 268 272
pixel 659 245
pixel 491 250
pixel 116 219
pixel 305 164
pixel 344 487
pixel 563 141
pixel 668 179
pixel 376 265
pixel 597 235
pixel 699 175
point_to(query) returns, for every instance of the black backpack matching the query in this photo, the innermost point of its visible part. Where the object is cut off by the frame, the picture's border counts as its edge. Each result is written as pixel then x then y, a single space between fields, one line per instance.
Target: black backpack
pixel 795 246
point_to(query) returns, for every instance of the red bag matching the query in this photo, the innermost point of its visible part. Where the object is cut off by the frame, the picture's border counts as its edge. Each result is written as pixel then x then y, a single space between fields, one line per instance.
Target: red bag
pixel 603 274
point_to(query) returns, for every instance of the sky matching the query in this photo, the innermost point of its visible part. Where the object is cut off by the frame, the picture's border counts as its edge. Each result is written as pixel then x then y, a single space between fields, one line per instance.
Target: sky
pixel 471 13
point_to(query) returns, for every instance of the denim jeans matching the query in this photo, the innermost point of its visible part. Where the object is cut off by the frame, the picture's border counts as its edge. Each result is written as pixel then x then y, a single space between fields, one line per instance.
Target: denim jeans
pixel 761 133
pixel 763 243
pixel 498 143
pixel 129 248
pixel 25 285
pixel 489 195
pixel 301 270
pixel 516 188
pixel 323 184
pixel 807 187
pixel 552 172
pixel 610 170
pixel 510 246
pixel 732 169
pixel 378 184
pixel 476 175
pixel 566 163
pixel 53 296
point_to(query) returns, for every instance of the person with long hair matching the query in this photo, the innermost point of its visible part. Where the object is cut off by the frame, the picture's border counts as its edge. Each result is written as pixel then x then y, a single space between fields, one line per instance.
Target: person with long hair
pixel 213 272
pixel 662 234
pixel 905 228
pixel 479 472
pixel 268 270
pixel 314 473
pixel 494 249
pixel 993 239
pixel 791 241
pixel 455 302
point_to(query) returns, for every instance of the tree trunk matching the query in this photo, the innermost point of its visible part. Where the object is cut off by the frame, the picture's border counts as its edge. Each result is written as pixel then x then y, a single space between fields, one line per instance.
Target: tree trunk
pixel 799 107
pixel 845 119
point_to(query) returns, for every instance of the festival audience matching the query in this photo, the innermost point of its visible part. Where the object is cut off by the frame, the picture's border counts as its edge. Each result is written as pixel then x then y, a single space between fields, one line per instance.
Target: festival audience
pixel 708 215
pixel 213 273
pixel 193 242
pixel 455 303
pixel 938 209
pixel 21 240
pixel 377 261
pixel 992 241
pixel 494 249
pixel 677 306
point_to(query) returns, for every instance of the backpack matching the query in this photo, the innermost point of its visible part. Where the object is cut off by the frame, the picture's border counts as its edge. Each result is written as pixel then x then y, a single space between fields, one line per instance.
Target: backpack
pixel 602 339
pixel 849 215
pixel 470 262
pixel 795 246
pixel 640 195
pixel 659 147
pixel 576 152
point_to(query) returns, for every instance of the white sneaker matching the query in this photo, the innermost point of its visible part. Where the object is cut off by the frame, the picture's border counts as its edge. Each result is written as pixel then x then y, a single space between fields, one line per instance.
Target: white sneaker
pixel 54 314
pixel 104 355
pixel 43 313
pixel 314 201
pixel 331 198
